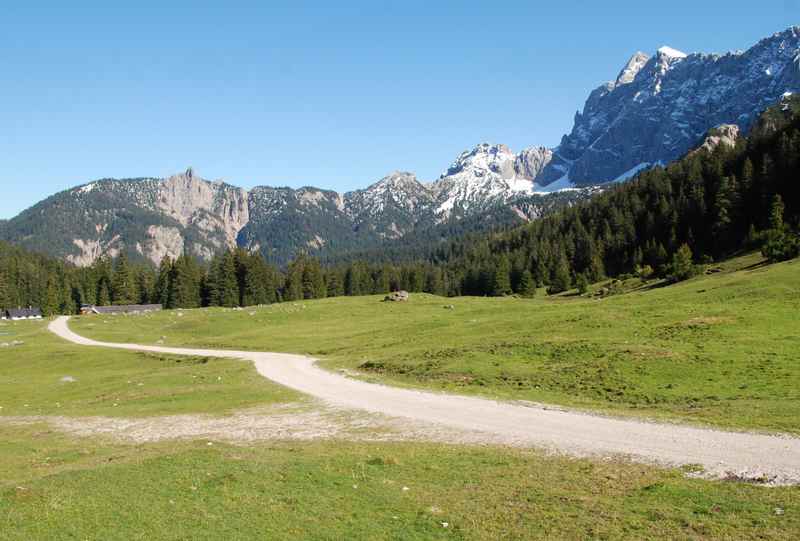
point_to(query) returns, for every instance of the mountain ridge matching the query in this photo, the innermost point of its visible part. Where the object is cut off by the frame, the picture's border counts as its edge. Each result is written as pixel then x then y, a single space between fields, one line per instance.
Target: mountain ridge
pixel 656 109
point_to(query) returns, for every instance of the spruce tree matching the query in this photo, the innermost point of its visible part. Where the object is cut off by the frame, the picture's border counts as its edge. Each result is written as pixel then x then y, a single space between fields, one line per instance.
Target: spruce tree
pixel 4 297
pixel 776 214
pixel 163 291
pixel 123 290
pixel 682 266
pixel 313 285
pixel 227 283
pixel 501 277
pixel 527 284
pixel 185 283
pixel 561 279
pixel 333 283
pixel 293 288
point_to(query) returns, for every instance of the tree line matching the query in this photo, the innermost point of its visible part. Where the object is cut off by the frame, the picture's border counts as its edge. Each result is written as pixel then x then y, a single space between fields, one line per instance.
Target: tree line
pixel 704 207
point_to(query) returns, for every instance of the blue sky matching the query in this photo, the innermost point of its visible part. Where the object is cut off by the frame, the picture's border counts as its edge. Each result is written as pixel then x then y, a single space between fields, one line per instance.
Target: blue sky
pixel 332 94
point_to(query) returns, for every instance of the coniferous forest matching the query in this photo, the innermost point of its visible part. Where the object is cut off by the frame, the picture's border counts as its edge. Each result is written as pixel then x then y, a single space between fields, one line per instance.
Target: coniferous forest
pixel 705 207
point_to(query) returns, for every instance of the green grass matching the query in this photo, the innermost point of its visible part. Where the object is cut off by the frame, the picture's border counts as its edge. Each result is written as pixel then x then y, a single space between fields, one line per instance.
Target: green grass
pixel 56 488
pixel 119 383
pixel 719 349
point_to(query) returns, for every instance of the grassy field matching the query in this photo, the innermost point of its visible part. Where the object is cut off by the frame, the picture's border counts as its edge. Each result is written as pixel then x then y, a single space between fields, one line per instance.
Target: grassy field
pixel 720 349
pixel 36 378
pixel 57 488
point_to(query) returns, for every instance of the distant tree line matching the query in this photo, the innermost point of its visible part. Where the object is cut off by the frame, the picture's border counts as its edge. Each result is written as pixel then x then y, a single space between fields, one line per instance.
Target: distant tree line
pixel 704 207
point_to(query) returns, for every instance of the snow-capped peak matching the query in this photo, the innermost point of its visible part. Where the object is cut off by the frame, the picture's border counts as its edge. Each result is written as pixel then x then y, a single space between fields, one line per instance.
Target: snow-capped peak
pixel 485 156
pixel 669 52
pixel 632 69
pixel 396 179
pixel 485 175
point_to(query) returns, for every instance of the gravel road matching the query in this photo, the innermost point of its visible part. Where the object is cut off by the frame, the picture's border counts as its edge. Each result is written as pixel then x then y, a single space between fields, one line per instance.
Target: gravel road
pixel 721 454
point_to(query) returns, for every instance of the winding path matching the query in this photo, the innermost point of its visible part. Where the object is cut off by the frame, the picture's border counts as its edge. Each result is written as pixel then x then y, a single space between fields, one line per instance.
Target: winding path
pixel 720 453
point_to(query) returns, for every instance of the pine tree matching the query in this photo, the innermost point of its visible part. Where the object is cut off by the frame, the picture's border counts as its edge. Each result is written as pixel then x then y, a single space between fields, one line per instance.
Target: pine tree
pixel 293 288
pixel 145 283
pixel 776 214
pixel 185 283
pixel 352 281
pixel 103 294
pixel 582 283
pixel 561 280
pixel 313 285
pixel 527 284
pixel 333 283
pixel 722 208
pixel 123 290
pixel 4 296
pixel 501 277
pixel 52 302
pixel 163 291
pixel 227 284
pixel 682 266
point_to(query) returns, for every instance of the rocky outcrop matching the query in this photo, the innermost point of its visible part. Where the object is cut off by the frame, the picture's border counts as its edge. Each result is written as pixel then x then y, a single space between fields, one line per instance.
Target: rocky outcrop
pixel 90 250
pixel 482 177
pixel 660 107
pixel 161 242
pixel 725 135
pixel 219 211
pixel 530 162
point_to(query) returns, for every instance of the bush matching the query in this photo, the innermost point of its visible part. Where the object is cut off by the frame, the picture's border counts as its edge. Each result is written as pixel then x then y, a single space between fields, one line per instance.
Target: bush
pixel 682 267
pixel 645 272
pixel 780 245
pixel 582 283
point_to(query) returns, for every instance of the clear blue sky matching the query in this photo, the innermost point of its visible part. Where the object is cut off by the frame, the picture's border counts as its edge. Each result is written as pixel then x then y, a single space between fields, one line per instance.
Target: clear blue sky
pixel 332 94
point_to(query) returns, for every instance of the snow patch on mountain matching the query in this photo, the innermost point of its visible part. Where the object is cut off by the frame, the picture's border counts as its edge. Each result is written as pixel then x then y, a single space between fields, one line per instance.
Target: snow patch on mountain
pixel 661 107
pixel 671 53
pixel 486 175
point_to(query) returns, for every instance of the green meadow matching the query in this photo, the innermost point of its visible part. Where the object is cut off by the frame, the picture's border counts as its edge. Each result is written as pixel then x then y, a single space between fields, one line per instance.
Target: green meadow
pixel 721 349
pixel 54 487
pixel 48 376
pixel 732 331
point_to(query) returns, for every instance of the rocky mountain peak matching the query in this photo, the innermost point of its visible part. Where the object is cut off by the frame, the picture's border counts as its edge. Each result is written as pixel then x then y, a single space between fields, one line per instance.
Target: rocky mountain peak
pixel 666 105
pixel 631 69
pixel 484 157
pixel 667 53
pixel 401 180
pixel 530 162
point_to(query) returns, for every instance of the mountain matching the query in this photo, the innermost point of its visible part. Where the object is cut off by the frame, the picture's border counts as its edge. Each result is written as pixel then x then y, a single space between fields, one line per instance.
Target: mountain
pixel 661 106
pixel 145 216
pixel 485 175
pixel 656 110
pixel 151 218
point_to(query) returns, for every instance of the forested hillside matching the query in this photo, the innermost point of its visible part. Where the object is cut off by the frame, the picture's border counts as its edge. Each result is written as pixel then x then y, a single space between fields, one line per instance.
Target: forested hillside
pixel 709 205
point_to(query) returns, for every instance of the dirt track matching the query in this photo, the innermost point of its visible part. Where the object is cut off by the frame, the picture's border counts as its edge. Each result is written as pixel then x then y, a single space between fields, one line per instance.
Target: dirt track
pixel 720 453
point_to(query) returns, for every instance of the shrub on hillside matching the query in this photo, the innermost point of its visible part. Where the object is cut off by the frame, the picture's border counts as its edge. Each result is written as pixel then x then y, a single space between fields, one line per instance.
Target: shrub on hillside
pixel 682 266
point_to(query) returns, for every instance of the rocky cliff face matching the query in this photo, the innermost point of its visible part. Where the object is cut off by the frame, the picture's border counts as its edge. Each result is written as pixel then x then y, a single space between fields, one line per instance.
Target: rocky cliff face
pixel 485 176
pixel 660 107
pixel 391 207
pixel 655 110
pixel 217 210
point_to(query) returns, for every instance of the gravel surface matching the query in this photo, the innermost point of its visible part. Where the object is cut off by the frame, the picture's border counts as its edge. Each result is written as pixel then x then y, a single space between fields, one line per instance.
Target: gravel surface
pixel 772 459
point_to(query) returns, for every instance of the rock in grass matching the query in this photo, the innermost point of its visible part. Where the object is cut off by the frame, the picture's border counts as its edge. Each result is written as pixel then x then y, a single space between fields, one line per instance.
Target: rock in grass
pixel 397 296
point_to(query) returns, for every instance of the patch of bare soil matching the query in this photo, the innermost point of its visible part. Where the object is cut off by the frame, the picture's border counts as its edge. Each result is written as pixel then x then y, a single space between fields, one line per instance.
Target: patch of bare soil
pixel 284 422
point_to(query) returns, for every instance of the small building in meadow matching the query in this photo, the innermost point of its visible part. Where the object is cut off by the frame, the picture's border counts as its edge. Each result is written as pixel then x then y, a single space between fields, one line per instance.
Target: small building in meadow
pixel 88 309
pixel 19 314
